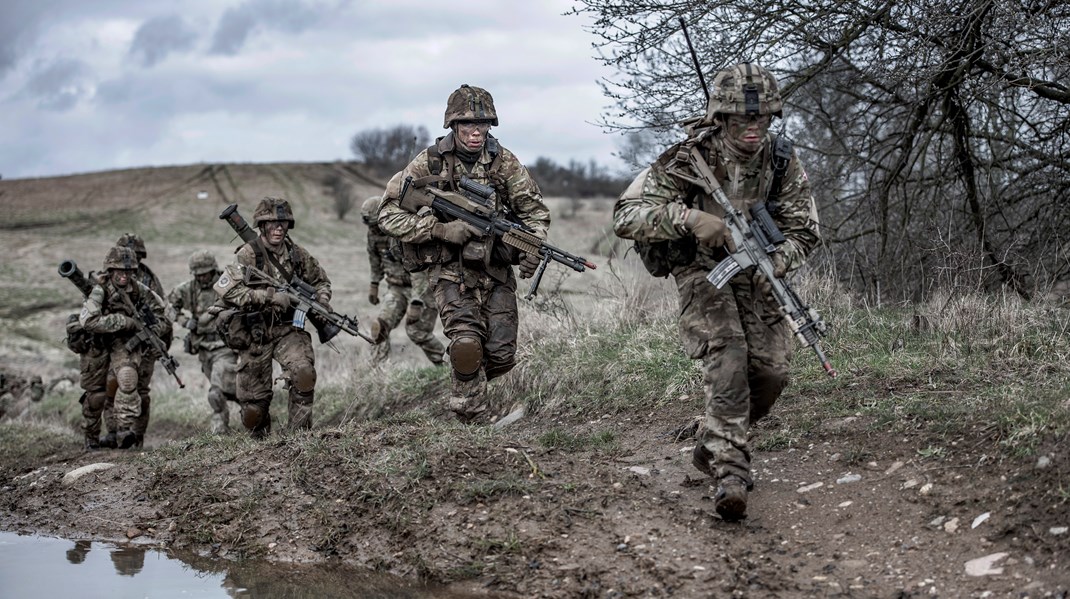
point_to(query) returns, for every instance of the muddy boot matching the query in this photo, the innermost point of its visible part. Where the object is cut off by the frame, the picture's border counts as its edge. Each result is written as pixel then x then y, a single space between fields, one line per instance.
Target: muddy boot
pixel 731 498
pixel 219 424
pixel 139 440
pixel 700 459
pixel 109 441
pixel 126 439
pixel 92 443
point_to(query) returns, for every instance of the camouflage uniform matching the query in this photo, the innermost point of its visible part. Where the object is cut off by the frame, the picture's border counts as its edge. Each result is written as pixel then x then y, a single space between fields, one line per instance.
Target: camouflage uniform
pixel 273 334
pixel 408 298
pixel 146 277
pixel 737 331
pixel 476 300
pixel 106 313
pixel 219 363
pixel 97 394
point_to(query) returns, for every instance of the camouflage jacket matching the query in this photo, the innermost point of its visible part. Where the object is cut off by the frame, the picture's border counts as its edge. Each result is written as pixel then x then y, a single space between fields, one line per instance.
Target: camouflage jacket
pixel 654 205
pixel 197 300
pixel 497 167
pixel 234 289
pixel 105 310
pixel 382 261
pixel 150 280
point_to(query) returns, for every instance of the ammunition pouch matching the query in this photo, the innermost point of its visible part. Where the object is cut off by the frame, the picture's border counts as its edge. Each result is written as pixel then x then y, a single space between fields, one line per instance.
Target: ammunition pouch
pixel 239 330
pixel 79 340
pixel 659 257
pixel 416 257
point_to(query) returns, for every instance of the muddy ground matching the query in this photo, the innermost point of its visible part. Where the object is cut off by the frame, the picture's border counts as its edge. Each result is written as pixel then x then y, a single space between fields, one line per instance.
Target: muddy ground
pixel 498 512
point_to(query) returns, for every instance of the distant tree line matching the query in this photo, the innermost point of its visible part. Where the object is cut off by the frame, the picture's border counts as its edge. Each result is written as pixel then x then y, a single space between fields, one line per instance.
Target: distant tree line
pixel 385 151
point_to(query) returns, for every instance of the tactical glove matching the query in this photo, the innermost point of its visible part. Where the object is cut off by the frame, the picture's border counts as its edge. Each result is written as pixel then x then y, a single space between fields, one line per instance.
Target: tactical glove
pixel 762 284
pixel 373 294
pixel 455 232
pixel 130 323
pixel 529 263
pixel 190 324
pixel 414 312
pixel 709 229
pixel 324 297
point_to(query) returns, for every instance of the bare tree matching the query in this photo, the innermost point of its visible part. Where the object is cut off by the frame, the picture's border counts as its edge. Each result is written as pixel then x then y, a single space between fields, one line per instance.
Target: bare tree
pixel 936 131
pixel 386 151
pixel 342 194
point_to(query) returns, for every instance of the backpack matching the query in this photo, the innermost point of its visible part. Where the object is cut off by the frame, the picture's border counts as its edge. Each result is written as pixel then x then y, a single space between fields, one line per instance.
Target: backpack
pixel 659 257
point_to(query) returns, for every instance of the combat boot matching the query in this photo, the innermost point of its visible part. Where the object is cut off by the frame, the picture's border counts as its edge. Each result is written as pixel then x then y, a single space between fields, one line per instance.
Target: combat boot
pixel 700 459
pixel 108 441
pixel 92 443
pixel 126 439
pixel 731 498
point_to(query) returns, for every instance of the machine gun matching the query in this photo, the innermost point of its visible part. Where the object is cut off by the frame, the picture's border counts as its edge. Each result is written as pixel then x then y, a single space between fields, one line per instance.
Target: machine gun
pixel 475 204
pixel 327 323
pixel 755 242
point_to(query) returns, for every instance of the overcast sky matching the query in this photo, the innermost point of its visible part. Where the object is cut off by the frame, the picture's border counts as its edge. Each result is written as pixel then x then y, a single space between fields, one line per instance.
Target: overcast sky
pixel 89 85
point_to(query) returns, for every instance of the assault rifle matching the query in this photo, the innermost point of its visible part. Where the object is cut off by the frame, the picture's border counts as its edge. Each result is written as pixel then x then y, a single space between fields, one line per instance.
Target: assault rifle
pixel 327 323
pixel 144 335
pixel 755 242
pixel 474 204
pixel 303 296
pixel 68 269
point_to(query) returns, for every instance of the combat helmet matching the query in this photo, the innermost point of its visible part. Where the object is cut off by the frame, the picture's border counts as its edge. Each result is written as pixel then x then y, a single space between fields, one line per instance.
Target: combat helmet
pixel 369 210
pixel 120 258
pixel 273 209
pixel 745 89
pixel 202 262
pixel 134 242
pixel 470 104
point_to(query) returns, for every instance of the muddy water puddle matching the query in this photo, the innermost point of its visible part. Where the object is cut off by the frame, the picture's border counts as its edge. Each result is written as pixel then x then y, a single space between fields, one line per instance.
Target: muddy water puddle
pixel 35 566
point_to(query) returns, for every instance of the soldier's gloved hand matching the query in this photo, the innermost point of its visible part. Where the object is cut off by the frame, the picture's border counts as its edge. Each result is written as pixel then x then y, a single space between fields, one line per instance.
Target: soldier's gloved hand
pixel 324 297
pixel 709 229
pixel 762 284
pixel 130 323
pixel 373 294
pixel 415 311
pixel 279 301
pixel 529 263
pixel 190 324
pixel 259 297
pixel 455 232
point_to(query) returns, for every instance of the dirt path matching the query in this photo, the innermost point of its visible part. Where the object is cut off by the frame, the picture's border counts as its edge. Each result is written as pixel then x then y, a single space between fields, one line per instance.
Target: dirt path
pixel 849 513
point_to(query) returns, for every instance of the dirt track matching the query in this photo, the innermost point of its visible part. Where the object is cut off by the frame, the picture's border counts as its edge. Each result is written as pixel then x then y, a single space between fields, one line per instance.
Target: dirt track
pixel 512 518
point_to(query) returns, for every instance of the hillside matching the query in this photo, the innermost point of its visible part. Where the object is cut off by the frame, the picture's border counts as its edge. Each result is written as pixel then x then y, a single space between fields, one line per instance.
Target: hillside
pixel 940 448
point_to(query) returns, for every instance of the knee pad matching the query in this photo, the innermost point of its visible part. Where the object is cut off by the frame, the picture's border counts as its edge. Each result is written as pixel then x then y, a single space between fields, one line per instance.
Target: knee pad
pixel 466 356
pixel 252 416
pixel 96 400
pixel 112 386
pixel 304 379
pixel 126 378
pixel 216 400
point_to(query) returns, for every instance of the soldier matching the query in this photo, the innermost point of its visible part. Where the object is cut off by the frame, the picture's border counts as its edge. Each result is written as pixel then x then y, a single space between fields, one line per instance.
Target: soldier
pixel 737 331
pixel 98 390
pixel 146 277
pixel 472 279
pixel 113 310
pixel 218 362
pixel 265 319
pixel 409 296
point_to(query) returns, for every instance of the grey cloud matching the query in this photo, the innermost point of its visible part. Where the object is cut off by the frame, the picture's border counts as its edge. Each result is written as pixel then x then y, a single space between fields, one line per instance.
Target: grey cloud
pixel 237 24
pixel 59 85
pixel 160 36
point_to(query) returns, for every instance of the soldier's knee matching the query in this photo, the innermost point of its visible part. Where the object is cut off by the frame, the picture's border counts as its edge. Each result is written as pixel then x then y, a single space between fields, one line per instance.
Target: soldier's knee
pixel 253 416
pixel 96 400
pixel 466 356
pixel 126 379
pixel 304 380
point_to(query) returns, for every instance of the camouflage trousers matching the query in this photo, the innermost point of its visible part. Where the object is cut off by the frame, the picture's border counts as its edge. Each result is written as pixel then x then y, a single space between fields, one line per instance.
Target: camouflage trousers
pixel 220 367
pixel 292 349
pixel 489 316
pixel 745 348
pixel 128 404
pixel 421 332
pixel 93 371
